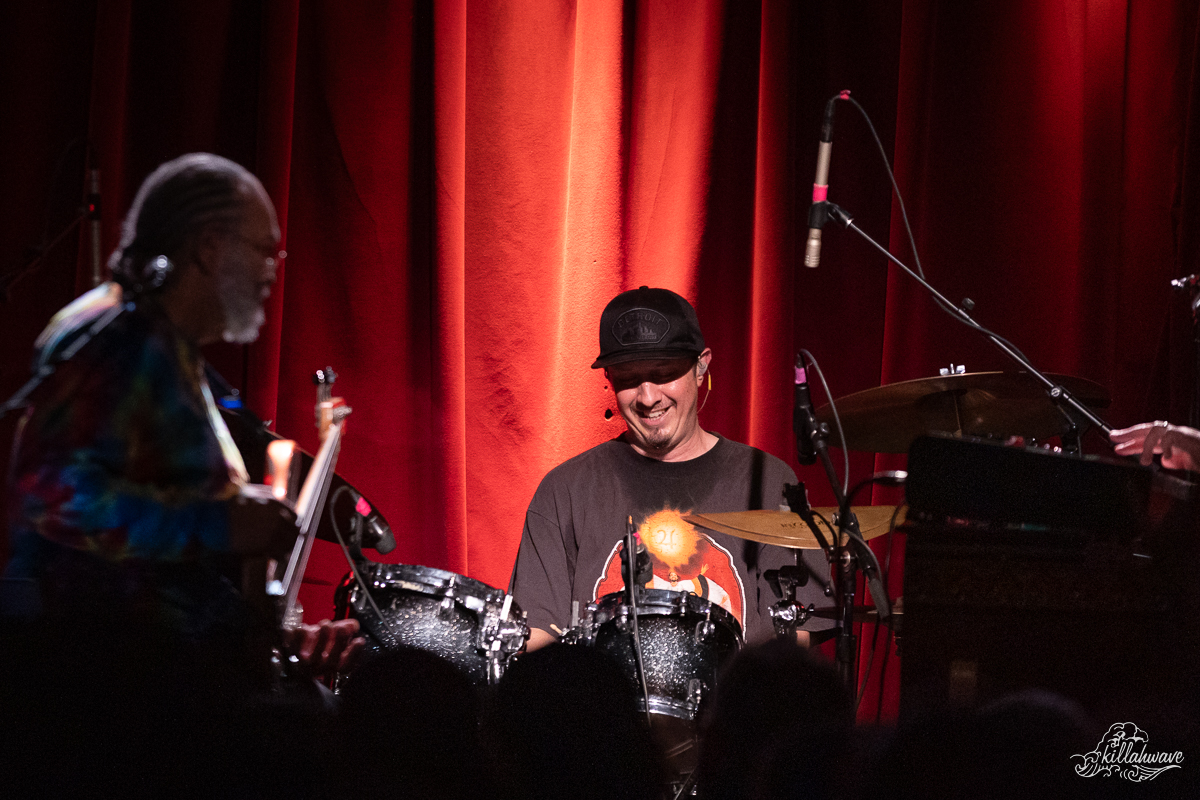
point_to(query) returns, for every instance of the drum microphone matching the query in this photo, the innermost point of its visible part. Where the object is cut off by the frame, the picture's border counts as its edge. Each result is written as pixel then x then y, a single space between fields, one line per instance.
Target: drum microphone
pixel 804 420
pixel 642 570
pixel 818 212
pixel 378 534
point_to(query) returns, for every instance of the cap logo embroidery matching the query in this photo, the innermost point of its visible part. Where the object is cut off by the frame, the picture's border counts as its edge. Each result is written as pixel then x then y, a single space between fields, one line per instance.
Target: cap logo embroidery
pixel 639 326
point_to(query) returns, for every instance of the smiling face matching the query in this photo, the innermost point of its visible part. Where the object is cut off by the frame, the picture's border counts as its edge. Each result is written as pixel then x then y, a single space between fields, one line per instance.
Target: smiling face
pixel 657 398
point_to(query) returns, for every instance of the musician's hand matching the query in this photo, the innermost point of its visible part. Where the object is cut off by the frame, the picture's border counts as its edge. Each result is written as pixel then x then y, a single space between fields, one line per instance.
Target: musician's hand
pixel 327 647
pixel 259 524
pixel 1178 444
pixel 538 639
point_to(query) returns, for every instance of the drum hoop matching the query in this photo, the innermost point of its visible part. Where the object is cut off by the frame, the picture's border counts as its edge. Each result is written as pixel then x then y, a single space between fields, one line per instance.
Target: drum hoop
pixel 669 603
pixel 428 580
pixel 669 707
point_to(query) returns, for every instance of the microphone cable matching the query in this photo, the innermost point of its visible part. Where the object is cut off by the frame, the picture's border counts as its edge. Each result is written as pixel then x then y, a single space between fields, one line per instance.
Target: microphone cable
pixel 953 311
pixel 837 421
pixel 337 531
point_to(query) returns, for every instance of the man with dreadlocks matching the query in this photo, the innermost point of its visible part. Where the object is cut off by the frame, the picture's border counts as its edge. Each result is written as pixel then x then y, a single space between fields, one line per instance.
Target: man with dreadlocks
pixel 127 495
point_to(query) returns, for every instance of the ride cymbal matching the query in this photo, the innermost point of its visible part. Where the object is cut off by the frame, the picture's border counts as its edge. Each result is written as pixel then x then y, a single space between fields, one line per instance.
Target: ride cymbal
pixel 888 418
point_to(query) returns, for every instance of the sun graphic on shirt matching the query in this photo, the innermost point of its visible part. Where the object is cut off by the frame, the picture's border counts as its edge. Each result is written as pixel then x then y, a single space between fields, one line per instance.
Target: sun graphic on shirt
pixel 669 538
pixel 683 559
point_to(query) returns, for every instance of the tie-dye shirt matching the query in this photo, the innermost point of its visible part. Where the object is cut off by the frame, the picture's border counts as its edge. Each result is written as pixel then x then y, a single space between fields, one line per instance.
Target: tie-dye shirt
pixel 122 453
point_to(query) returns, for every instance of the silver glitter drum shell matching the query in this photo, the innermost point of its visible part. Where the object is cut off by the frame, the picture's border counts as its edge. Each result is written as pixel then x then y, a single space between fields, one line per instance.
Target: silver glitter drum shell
pixel 685 642
pixel 453 616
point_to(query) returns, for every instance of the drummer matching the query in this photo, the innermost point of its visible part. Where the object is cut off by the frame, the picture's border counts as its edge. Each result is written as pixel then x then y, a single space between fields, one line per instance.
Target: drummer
pixel 661 469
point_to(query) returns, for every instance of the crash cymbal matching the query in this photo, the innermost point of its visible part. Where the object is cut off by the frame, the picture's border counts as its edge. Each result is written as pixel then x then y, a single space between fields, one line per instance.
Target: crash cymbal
pixel 863 613
pixel 888 418
pixel 787 529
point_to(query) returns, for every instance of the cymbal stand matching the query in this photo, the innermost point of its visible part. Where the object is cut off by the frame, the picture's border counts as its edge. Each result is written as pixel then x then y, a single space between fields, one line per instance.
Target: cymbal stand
pixel 789 614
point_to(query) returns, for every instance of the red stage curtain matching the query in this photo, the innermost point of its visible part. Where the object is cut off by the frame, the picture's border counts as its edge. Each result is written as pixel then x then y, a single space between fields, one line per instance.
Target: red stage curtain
pixel 463 185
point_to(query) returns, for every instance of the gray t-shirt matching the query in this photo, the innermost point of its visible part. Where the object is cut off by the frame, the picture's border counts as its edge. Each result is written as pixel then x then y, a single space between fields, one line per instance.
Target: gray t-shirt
pixel 570 548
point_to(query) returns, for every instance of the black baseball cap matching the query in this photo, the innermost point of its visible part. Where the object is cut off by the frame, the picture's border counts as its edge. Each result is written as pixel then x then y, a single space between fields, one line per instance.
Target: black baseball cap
pixel 647 323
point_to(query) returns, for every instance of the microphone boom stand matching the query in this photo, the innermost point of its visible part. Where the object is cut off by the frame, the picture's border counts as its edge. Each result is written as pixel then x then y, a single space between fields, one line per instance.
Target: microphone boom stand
pixel 1070 406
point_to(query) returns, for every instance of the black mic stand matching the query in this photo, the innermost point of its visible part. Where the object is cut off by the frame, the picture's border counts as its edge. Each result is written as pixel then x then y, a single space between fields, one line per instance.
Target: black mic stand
pixel 849 554
pixel 1072 409
pixel 633 575
pixel 789 614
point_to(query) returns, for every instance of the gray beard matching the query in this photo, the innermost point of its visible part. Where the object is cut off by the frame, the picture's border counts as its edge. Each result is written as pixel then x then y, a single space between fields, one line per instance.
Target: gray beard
pixel 241 303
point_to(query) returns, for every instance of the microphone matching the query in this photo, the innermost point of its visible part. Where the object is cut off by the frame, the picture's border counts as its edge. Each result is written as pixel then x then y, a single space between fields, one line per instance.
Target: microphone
pixel 644 572
pixel 818 212
pixel 377 534
pixel 804 421
pixel 640 570
pixel 93 213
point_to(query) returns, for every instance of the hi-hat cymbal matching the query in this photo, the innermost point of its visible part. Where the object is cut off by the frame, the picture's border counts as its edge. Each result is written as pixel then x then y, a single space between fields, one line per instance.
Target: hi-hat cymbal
pixel 787 529
pixel 887 419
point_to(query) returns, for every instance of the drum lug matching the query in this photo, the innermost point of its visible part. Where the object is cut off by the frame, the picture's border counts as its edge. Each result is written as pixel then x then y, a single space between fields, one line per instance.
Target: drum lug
pixel 495 667
pixel 695 693
pixel 705 628
pixel 588 625
pixel 679 603
pixel 583 625
pixel 622 620
pixel 500 637
pixel 446 607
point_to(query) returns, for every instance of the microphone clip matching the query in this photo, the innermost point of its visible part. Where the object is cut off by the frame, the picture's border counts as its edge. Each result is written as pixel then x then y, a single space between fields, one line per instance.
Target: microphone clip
pixel 642 570
pixel 818 214
pixel 810 433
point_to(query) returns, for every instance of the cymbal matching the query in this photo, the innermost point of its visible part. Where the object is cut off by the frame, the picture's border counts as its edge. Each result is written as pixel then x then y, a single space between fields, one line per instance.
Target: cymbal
pixel 787 529
pixel 873 521
pixel 887 419
pixel 863 613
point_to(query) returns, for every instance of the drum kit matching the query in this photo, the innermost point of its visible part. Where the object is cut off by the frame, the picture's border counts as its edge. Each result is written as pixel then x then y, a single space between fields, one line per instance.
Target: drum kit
pixel 685 640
